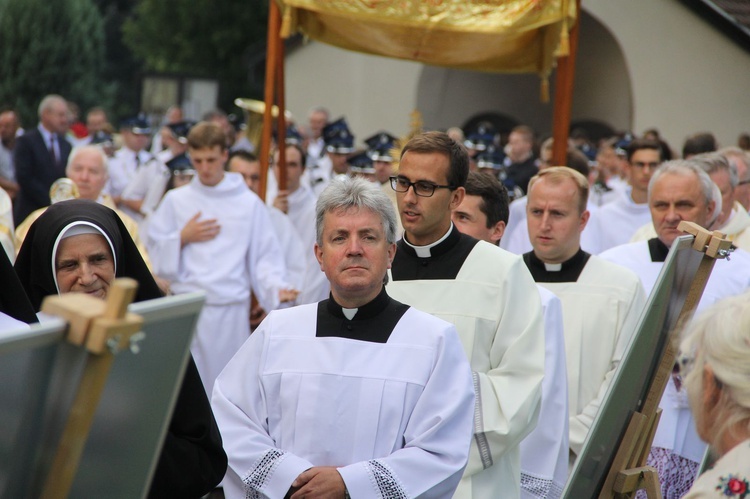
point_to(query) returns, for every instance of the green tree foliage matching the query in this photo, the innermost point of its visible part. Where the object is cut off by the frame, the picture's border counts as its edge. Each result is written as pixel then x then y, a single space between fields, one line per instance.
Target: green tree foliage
pixel 51 46
pixel 120 68
pixel 202 38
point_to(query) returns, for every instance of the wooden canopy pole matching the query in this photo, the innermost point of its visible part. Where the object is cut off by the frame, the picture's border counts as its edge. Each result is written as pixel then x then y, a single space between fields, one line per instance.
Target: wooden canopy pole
pixel 564 95
pixel 281 120
pixel 272 56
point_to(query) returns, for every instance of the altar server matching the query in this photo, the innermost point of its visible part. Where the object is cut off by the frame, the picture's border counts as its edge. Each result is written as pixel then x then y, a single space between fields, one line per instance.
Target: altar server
pixel 215 235
pixel 601 302
pixel 618 221
pixel 487 293
pixel 483 214
pixel 356 396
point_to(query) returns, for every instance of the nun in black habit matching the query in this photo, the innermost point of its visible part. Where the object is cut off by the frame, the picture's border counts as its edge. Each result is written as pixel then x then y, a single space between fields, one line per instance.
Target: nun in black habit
pixel 192 461
pixel 13 300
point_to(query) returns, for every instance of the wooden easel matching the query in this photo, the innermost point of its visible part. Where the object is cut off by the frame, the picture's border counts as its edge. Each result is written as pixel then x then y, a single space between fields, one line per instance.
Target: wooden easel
pixel 103 329
pixel 629 472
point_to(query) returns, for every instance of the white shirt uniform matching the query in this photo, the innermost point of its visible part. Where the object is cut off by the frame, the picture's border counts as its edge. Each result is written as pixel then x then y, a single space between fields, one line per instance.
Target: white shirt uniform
pixel 302 215
pixel 676 431
pixel 245 254
pixel 147 185
pixel 601 304
pixel 122 168
pixel 544 453
pixel 314 150
pixel 312 388
pixel 488 294
pixel 618 221
pixel 516 237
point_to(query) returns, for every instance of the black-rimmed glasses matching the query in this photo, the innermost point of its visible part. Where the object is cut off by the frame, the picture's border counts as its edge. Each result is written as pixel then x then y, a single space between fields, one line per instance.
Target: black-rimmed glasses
pixel 421 187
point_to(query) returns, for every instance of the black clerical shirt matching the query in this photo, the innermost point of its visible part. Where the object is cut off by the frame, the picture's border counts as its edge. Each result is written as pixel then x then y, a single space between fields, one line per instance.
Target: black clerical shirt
pixel 373 321
pixel 569 271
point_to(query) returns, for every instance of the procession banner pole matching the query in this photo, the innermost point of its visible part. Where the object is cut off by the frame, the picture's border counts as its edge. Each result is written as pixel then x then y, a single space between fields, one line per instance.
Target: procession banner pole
pixel 564 95
pixel 272 54
pixel 281 121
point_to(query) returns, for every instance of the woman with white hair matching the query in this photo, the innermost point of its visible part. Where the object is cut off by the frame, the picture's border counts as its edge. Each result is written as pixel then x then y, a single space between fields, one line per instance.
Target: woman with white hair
pixel 715 362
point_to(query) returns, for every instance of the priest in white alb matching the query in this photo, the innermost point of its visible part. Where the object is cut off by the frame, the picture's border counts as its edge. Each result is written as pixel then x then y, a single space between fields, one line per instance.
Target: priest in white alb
pixel 680 190
pixel 618 221
pixel 483 214
pixel 487 293
pixel 601 301
pixel 355 396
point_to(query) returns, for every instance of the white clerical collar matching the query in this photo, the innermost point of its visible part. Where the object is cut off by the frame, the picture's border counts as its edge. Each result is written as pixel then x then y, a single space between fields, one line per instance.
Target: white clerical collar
pixel 552 267
pixel 349 313
pixel 424 251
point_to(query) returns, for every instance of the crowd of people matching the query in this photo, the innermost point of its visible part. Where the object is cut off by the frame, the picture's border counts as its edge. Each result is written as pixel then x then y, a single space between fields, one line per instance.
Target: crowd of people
pixel 439 315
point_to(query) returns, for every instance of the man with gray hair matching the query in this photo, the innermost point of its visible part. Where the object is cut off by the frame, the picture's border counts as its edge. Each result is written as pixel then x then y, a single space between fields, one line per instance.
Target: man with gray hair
pixel 733 220
pixel 357 395
pixel 741 160
pixel 87 168
pixel 679 190
pixel 40 156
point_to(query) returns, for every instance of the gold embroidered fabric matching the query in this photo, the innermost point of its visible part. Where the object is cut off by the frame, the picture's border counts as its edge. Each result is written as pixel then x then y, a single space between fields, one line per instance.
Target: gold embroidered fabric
pixel 486 35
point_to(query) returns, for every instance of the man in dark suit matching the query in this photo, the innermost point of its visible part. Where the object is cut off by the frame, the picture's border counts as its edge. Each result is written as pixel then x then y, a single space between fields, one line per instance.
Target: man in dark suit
pixel 40 156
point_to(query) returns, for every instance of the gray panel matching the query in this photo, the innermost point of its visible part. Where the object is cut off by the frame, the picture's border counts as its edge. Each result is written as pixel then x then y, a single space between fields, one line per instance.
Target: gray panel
pixel 130 423
pixel 629 387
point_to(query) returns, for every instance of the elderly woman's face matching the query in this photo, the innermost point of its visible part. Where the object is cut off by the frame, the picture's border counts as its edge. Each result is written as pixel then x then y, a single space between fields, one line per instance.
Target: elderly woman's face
pixel 84 264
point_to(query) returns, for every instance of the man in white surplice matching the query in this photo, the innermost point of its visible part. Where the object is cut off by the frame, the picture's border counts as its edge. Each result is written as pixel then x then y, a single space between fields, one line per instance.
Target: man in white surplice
pixel 601 301
pixel 617 221
pixel 214 235
pixel 483 214
pixel 355 396
pixel 680 190
pixel 487 293
pixel 298 202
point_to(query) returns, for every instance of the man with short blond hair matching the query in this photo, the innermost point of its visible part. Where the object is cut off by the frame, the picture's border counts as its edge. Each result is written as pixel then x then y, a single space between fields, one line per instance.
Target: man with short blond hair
pixel 601 302
pixel 214 235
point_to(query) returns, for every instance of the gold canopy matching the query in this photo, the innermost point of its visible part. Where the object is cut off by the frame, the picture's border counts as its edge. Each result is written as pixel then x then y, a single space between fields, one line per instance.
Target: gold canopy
pixel 514 36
